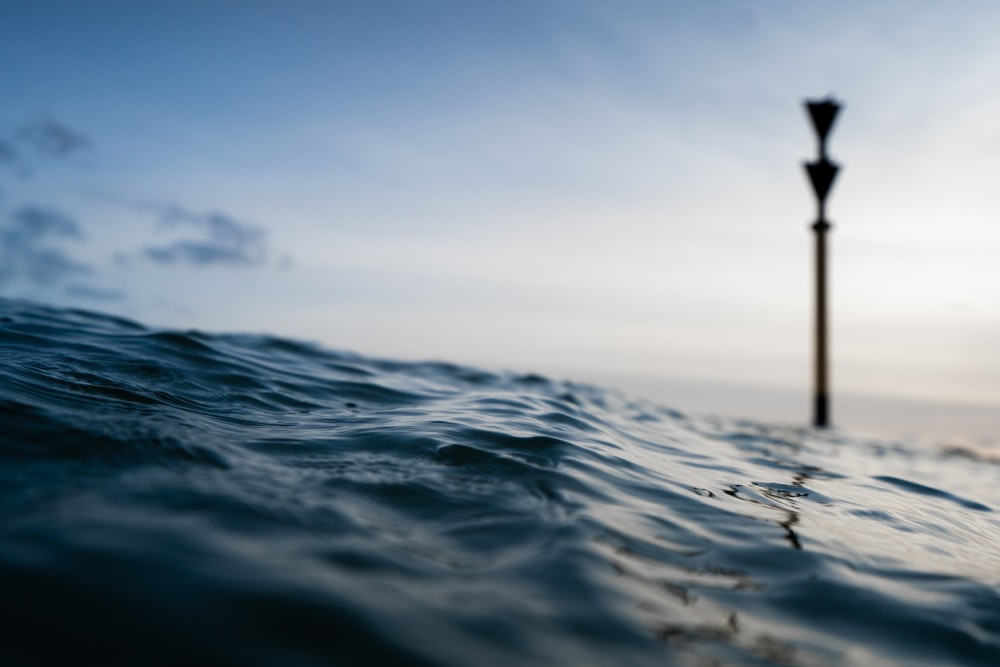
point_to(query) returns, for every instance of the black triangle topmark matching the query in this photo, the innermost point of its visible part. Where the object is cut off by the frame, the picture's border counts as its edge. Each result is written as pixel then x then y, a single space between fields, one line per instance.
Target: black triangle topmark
pixel 823 113
pixel 821 174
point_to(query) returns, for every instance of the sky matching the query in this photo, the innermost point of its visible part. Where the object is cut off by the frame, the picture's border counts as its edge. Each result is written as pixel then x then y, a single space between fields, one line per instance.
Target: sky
pixel 567 186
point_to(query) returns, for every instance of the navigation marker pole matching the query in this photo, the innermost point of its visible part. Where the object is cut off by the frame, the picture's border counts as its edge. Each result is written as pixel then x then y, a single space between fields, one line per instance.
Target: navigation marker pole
pixel 821 175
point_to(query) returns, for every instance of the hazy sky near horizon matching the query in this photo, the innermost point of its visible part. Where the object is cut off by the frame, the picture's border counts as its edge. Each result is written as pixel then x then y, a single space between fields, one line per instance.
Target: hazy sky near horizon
pixel 535 185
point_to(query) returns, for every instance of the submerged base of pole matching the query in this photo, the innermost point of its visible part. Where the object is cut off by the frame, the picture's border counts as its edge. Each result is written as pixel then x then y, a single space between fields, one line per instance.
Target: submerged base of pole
pixel 821 412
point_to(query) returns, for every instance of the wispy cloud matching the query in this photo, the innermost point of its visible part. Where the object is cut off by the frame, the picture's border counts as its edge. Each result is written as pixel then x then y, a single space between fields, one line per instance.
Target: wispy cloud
pixel 36 242
pixel 94 293
pixel 50 138
pixel 221 239
pixel 41 246
pixel 35 223
pixel 8 153
pixel 43 139
pixel 30 247
pixel 199 238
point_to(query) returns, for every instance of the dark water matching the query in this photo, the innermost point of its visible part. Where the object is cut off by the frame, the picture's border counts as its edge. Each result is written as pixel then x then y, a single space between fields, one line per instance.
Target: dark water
pixel 177 498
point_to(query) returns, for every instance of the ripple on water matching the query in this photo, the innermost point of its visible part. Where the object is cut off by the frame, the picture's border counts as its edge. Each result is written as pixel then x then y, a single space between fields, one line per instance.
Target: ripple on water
pixel 189 498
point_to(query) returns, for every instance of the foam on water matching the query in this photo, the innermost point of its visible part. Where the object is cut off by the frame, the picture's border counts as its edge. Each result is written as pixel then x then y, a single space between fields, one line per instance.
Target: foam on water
pixel 181 498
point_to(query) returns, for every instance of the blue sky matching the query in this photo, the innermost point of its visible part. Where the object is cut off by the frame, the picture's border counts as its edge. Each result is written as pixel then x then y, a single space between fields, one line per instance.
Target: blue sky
pixel 569 187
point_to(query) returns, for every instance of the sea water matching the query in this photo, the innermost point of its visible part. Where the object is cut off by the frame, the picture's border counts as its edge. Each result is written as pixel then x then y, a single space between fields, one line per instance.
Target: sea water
pixel 181 498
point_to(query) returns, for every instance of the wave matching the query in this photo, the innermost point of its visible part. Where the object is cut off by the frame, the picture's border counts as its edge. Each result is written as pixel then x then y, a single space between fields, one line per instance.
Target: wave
pixel 178 497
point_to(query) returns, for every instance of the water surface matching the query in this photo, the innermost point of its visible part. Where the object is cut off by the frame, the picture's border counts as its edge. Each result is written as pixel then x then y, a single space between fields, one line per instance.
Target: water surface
pixel 172 497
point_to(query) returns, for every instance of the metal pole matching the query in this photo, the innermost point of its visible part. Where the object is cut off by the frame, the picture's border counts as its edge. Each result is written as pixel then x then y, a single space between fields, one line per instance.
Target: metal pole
pixel 821 386
pixel 821 173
